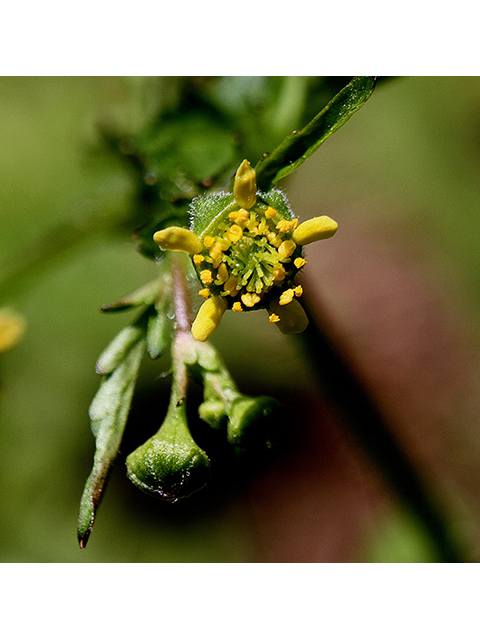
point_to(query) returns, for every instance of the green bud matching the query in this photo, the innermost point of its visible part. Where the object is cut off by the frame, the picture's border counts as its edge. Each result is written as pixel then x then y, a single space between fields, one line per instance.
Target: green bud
pixel 170 465
pixel 213 412
pixel 245 415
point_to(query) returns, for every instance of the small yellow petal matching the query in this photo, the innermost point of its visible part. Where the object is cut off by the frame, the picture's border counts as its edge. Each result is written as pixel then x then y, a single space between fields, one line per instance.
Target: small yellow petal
pixel 315 229
pixel 298 290
pixel 292 317
pixel 250 299
pixel 206 277
pixel 208 318
pixel 178 239
pixel 237 306
pixel 286 297
pixel 12 328
pixel 245 185
pixel 286 249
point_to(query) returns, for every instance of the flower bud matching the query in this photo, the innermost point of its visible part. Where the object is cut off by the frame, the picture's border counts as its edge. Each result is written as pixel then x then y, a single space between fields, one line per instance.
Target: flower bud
pixel 245 415
pixel 170 465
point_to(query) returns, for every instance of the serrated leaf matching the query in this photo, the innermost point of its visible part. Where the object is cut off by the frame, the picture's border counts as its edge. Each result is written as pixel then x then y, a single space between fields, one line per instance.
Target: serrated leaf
pixel 108 413
pixel 299 145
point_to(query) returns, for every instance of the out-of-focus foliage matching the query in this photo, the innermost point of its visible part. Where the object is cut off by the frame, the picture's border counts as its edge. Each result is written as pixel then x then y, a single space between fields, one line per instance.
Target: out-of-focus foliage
pixel 401 179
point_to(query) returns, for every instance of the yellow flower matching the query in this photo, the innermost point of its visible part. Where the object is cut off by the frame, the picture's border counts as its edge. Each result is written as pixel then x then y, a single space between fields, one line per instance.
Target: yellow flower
pixel 12 328
pixel 246 246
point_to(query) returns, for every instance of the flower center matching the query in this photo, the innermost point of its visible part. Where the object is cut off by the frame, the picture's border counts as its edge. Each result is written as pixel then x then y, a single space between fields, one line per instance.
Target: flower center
pixel 251 253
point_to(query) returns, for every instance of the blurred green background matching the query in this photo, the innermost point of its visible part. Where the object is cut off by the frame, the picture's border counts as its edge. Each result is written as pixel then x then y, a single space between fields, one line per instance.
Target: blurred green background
pixel 399 283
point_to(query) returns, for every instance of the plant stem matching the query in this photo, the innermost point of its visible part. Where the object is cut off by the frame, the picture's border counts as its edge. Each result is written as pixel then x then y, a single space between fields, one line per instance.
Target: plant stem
pixel 358 409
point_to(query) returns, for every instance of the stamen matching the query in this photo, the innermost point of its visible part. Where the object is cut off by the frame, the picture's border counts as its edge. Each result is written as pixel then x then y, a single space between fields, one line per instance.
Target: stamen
pixel 205 293
pixel 237 306
pixel 273 318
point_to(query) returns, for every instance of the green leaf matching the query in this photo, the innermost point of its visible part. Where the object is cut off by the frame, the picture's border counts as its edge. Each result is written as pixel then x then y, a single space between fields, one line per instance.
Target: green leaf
pixel 119 348
pixel 299 145
pixel 108 413
pixel 158 333
pixel 147 294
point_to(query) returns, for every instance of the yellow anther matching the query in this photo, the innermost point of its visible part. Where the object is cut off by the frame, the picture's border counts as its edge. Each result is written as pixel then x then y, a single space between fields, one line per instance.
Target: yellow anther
pixel 299 262
pixel 230 286
pixel 315 229
pixel 205 293
pixel 178 239
pixel 250 299
pixel 242 216
pixel 298 290
pixel 222 274
pixel 292 317
pixel 286 297
pixel 216 251
pixel 245 185
pixel 12 328
pixel 284 226
pixel 234 233
pixel 208 318
pixel 286 249
pixel 270 212
pixel 273 318
pixel 198 258
pixel 206 277
pixel 232 216
pixel 273 239
pixel 237 306
pixel 278 273
pixel 208 241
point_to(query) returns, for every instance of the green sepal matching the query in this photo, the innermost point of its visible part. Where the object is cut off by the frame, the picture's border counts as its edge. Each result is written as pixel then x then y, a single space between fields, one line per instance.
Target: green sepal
pixel 205 211
pixel 292 152
pixel 108 413
pixel 170 465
